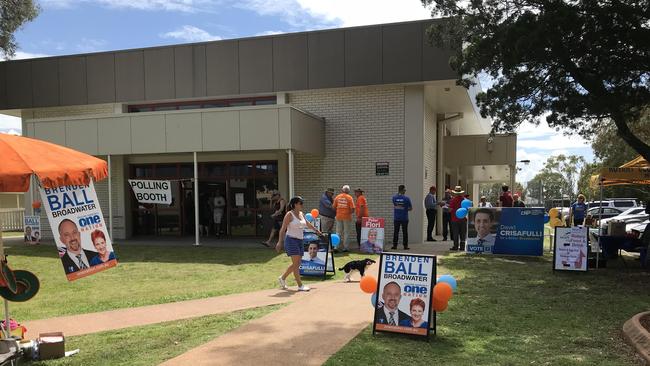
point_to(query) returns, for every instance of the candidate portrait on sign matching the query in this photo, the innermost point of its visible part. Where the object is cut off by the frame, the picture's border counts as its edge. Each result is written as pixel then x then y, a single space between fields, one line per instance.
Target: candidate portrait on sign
pixel 311 258
pixel 74 257
pixel 388 312
pixel 484 240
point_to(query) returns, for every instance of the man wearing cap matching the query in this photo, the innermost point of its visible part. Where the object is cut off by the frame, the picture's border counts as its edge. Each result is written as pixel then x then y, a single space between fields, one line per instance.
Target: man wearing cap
pixel 431 206
pixel 326 212
pixel 344 206
pixel 484 203
pixel 401 207
pixel 458 226
pixel 362 211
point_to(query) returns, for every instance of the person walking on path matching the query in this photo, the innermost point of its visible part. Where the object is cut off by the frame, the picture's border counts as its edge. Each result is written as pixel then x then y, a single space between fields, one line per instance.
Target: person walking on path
pixel 344 206
pixel 291 235
pixel 279 207
pixel 484 203
pixel 401 207
pixel 431 206
pixel 361 210
pixel 505 199
pixel 326 211
pixel 446 214
pixel 577 211
pixel 517 202
pixel 458 226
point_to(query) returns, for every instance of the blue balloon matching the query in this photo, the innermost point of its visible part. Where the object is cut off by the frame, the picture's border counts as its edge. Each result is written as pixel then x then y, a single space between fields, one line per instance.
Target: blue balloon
pixel 547 218
pixel 336 240
pixel 448 279
pixel 461 213
pixel 466 203
pixel 373 299
pixel 309 217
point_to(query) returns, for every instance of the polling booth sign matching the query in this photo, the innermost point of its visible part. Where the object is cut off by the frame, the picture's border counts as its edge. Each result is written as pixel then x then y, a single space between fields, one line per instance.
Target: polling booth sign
pixel 571 245
pixel 508 230
pixel 32 229
pixel 152 191
pixel 405 294
pixel 79 230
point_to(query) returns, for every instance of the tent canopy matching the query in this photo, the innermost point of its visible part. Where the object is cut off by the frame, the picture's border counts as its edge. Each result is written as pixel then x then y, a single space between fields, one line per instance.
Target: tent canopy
pixel 636 171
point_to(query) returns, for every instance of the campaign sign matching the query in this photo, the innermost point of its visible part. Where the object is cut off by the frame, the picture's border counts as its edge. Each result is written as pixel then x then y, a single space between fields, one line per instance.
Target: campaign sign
pixel 317 259
pixel 506 230
pixel 405 294
pixel 32 229
pixel 152 191
pixel 372 235
pixel 79 230
pixel 571 245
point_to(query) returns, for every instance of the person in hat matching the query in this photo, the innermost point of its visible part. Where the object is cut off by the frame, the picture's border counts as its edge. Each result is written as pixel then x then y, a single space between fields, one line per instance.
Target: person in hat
pixel 291 236
pixel 458 226
pixel 431 206
pixel 344 206
pixel 325 210
pixel 279 206
pixel 401 207
pixel 361 211
pixel 484 203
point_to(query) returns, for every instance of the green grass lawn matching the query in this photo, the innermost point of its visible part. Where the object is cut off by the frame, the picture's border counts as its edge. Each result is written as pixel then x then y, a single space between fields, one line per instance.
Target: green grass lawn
pixel 147 275
pixel 152 344
pixel 516 311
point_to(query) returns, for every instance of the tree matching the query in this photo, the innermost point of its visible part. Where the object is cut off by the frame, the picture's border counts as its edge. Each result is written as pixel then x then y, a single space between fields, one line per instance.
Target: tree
pixel 13 14
pixel 610 149
pixel 582 62
pixel 550 184
pixel 568 167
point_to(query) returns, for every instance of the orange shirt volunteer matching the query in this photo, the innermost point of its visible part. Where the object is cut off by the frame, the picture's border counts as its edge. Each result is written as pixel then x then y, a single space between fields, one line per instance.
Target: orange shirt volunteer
pixel 362 207
pixel 344 205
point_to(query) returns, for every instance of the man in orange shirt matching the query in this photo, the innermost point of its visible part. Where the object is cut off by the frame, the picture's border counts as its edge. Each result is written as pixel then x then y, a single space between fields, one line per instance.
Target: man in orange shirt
pixel 344 206
pixel 362 211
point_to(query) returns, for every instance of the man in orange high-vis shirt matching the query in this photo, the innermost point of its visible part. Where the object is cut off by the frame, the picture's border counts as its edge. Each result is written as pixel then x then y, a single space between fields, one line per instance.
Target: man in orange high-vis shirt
pixel 362 211
pixel 344 206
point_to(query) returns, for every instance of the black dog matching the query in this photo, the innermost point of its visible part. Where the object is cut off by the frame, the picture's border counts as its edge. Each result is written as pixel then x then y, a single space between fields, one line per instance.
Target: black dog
pixel 356 265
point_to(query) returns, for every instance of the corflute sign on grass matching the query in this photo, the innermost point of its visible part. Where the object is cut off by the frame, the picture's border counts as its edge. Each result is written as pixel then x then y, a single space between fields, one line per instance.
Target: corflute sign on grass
pixel 79 230
pixel 570 248
pixel 152 191
pixel 405 293
pixel 512 231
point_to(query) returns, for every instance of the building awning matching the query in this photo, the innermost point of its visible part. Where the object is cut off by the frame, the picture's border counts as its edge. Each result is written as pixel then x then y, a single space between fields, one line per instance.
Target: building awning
pixel 636 171
pixel 483 158
pixel 253 128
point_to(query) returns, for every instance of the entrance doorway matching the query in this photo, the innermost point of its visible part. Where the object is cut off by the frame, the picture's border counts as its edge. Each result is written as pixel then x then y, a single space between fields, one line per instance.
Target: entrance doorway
pixel 234 199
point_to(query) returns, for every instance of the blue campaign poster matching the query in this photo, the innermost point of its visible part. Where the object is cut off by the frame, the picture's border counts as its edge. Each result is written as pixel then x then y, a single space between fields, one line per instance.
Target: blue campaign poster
pixel 520 232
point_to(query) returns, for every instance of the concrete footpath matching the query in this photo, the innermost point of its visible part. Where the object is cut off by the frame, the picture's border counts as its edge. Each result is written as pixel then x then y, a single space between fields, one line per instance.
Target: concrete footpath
pixel 132 317
pixel 308 331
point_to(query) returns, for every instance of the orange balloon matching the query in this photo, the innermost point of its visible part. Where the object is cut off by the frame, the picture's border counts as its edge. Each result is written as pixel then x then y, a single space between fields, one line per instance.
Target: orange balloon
pixel 368 284
pixel 439 305
pixel 442 291
pixel 315 213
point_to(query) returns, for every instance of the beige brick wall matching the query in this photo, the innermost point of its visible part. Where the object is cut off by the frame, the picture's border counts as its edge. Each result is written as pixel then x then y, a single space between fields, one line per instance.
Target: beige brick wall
pixel 362 126
pixel 69 111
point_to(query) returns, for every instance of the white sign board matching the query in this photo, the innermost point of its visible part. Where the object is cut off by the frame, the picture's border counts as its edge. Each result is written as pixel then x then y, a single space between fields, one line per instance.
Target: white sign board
pixel 152 191
pixel 571 248
pixel 32 229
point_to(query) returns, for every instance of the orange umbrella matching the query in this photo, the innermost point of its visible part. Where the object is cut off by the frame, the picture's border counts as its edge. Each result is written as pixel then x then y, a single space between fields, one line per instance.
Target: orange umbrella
pixel 54 165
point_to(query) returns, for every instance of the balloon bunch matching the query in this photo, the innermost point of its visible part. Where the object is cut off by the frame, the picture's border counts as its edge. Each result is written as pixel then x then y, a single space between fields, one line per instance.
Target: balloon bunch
pixel 443 291
pixel 313 215
pixel 465 205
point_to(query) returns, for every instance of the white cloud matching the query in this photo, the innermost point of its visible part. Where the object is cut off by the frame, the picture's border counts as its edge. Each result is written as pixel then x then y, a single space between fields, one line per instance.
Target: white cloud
pixel 188 6
pixel 91 45
pixel 21 55
pixel 269 33
pixel 343 13
pixel 9 124
pixel 190 33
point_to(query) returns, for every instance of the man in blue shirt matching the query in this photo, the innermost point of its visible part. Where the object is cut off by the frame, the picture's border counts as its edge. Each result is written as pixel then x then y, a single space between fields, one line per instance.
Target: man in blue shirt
pixel 401 207
pixel 578 211
pixel 431 205
pixel 326 211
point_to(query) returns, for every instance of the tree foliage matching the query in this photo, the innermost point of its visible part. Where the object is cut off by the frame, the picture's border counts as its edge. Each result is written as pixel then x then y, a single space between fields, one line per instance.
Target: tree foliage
pixel 13 14
pixel 581 62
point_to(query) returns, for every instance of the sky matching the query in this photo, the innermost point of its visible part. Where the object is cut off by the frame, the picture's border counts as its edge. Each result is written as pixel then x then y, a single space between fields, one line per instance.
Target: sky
pixel 81 26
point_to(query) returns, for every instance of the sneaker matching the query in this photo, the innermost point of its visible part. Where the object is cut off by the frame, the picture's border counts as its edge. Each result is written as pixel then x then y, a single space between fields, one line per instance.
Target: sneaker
pixel 283 283
pixel 304 288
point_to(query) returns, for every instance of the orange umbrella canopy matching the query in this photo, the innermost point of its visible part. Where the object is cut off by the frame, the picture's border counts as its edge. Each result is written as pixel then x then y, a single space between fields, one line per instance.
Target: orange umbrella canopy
pixel 55 165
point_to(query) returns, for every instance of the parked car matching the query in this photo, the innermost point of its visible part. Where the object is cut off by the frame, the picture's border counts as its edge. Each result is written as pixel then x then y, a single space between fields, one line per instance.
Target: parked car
pixel 637 229
pixel 607 212
pixel 623 203
pixel 631 215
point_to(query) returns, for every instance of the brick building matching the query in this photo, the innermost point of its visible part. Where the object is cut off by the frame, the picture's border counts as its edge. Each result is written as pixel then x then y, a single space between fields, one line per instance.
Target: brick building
pixel 295 113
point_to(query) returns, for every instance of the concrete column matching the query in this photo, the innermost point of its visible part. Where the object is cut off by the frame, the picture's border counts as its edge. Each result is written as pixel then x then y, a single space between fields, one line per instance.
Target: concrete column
pixel 440 169
pixel 414 120
pixel 291 168
pixel 475 193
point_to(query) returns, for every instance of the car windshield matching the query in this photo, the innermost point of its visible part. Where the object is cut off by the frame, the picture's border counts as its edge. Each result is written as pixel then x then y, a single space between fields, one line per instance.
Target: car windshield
pixel 624 203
